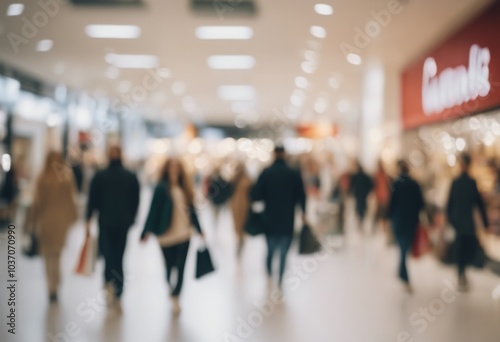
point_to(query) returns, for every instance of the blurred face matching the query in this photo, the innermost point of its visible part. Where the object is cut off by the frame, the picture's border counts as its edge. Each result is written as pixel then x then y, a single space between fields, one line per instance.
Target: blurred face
pixel 174 171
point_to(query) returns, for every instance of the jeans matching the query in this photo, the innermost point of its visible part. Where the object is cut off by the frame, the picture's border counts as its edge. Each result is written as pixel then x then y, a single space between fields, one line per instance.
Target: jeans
pixel 466 248
pixel 404 243
pixel 175 257
pixel 113 241
pixel 282 243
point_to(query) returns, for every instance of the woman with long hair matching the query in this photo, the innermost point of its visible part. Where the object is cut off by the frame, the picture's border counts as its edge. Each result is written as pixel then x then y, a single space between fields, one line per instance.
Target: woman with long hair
pixel 171 218
pixel 52 213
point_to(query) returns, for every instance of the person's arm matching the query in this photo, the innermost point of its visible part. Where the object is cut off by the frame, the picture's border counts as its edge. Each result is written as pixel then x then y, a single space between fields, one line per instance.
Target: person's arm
pixel 449 205
pixel 136 191
pixel 194 219
pixel 392 201
pixel 92 201
pixel 481 206
pixel 258 190
pixel 154 211
pixel 301 196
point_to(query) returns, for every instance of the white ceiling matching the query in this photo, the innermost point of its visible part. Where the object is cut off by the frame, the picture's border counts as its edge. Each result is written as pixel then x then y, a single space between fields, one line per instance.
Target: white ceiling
pixel 281 35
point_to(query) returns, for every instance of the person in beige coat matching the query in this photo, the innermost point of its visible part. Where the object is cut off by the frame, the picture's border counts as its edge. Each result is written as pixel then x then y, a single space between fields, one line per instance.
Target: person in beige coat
pixel 240 203
pixel 52 213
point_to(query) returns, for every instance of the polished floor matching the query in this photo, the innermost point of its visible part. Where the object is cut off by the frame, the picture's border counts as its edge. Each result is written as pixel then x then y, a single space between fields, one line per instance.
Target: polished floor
pixel 348 293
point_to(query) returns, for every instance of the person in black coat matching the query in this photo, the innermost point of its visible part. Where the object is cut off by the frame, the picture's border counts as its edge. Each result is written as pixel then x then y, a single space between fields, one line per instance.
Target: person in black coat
pixel 361 185
pixel 114 195
pixel 281 188
pixel 463 199
pixel 404 208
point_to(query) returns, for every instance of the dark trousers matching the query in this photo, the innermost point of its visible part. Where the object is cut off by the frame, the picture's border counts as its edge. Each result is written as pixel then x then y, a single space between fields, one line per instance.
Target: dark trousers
pixel 282 243
pixel 404 243
pixel 175 257
pixel 112 240
pixel 465 248
pixel 361 208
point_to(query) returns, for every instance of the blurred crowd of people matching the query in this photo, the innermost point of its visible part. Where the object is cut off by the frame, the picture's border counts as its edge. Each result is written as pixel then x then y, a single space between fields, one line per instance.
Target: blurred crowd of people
pixel 288 184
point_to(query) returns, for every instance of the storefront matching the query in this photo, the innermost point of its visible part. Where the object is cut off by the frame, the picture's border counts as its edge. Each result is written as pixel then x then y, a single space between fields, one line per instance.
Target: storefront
pixel 451 104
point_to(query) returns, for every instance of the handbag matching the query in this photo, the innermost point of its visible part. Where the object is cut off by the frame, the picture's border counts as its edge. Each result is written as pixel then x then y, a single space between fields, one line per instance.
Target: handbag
pixel 204 263
pixel 255 223
pixel 87 259
pixel 421 243
pixel 308 243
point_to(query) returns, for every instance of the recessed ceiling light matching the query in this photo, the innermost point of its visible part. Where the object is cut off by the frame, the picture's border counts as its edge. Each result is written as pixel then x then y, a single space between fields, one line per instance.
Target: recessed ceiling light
pixel 301 82
pixel 242 107
pixel 335 82
pixel 354 58
pixel 44 45
pixel 231 62
pixel 323 9
pixel 298 97
pixel 15 9
pixel 113 31
pixel 318 32
pixel 131 61
pixel 308 67
pixel 236 92
pixel 224 32
pixel 178 88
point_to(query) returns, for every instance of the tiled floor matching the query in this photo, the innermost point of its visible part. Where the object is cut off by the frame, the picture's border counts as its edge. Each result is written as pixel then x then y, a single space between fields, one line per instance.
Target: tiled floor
pixel 346 294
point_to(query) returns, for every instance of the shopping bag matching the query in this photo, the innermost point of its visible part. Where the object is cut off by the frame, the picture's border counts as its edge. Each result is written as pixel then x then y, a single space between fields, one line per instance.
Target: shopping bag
pixel 255 223
pixel 421 243
pixel 31 247
pixel 308 243
pixel 87 258
pixel 204 263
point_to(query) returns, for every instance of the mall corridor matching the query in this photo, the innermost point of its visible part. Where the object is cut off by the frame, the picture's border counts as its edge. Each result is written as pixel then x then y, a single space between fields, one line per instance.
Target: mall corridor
pixel 350 293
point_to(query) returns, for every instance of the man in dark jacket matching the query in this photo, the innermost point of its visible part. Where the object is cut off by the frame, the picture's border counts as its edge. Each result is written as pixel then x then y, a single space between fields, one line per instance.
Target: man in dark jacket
pixel 361 185
pixel 281 188
pixel 464 197
pixel 404 209
pixel 114 194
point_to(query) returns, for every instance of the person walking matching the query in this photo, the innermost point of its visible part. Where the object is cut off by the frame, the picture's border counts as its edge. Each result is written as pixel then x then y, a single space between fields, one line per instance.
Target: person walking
pixel 114 195
pixel 171 218
pixel 240 203
pixel 405 205
pixel 463 199
pixel 382 192
pixel 361 186
pixel 281 188
pixel 52 213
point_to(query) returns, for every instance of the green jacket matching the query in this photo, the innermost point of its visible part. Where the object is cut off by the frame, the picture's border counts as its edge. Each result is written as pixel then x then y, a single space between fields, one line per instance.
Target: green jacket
pixel 160 212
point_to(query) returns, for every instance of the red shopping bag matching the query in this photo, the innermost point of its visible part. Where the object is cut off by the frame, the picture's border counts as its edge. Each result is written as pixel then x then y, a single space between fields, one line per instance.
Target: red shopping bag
pixel 421 243
pixel 86 262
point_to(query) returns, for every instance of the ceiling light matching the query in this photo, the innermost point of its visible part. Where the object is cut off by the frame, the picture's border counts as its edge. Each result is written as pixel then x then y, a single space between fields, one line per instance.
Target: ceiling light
pixel 301 82
pixel 236 92
pixel 231 62
pixel 15 9
pixel 44 45
pixel 318 32
pixel 132 61
pixel 178 88
pixel 323 9
pixel 113 31
pixel 224 32
pixel 298 97
pixel 334 82
pixel 308 67
pixel 354 58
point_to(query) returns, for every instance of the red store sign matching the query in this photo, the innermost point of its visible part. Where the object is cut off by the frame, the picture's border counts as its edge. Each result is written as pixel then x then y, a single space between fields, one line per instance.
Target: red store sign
pixel 458 78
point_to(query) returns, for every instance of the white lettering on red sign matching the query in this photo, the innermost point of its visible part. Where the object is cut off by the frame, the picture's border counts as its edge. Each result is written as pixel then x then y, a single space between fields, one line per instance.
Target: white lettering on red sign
pixel 455 86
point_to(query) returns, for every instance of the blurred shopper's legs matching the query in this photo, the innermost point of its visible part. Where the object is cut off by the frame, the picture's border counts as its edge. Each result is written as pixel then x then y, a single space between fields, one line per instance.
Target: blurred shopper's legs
pixel 114 240
pixel 404 243
pixel 175 257
pixel 53 273
pixel 465 245
pixel 281 242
